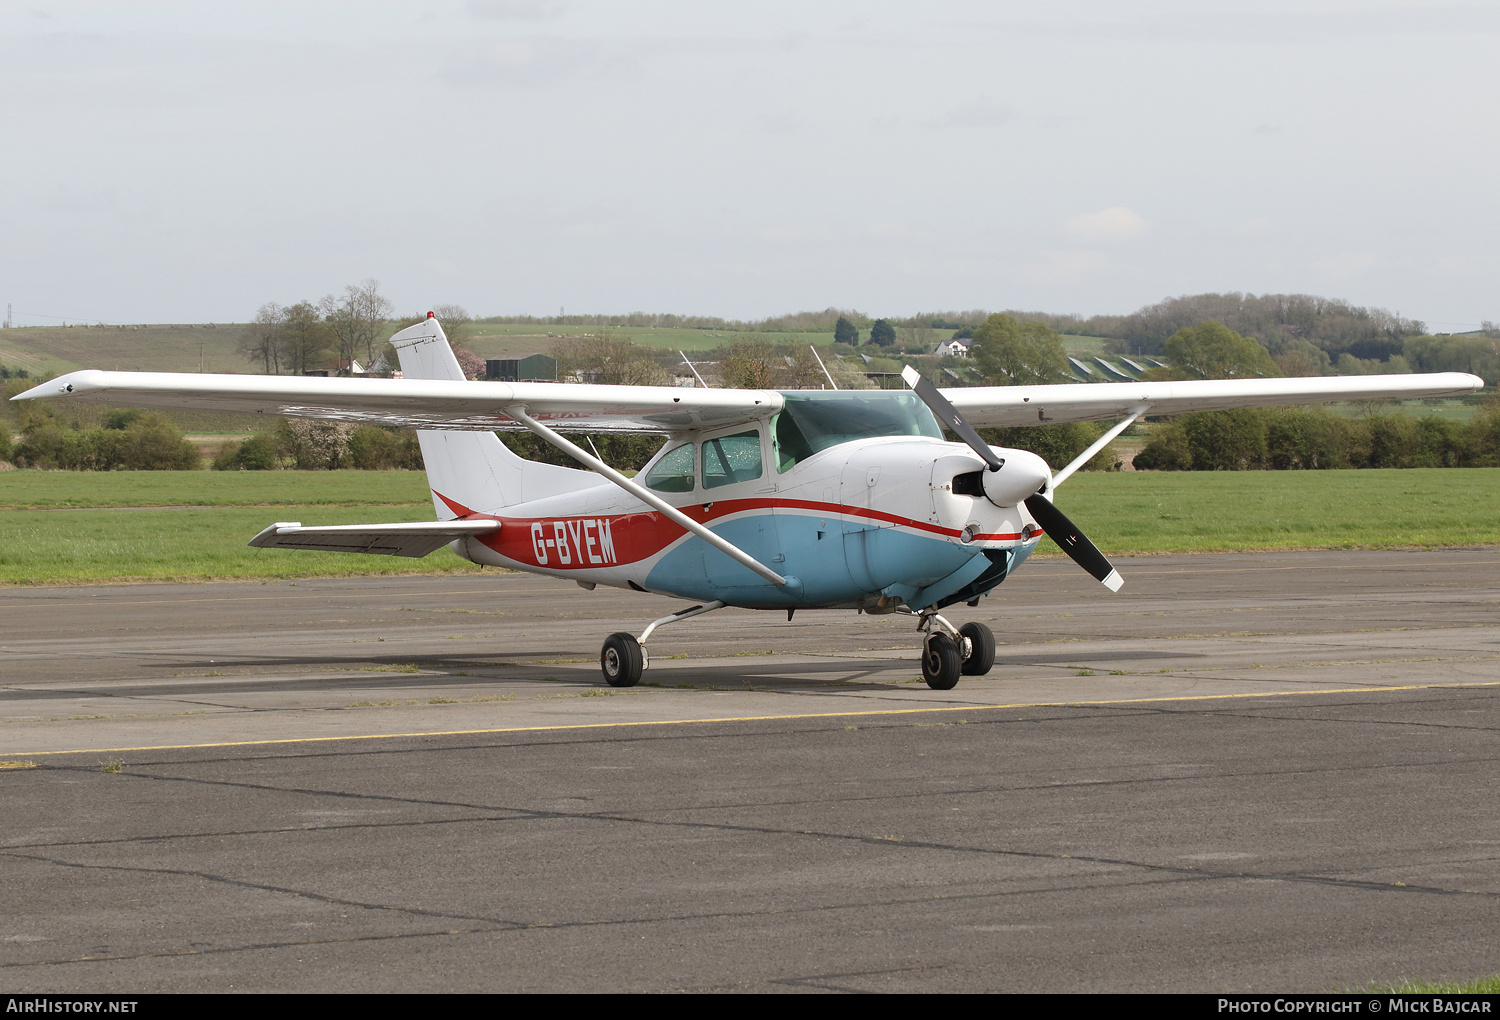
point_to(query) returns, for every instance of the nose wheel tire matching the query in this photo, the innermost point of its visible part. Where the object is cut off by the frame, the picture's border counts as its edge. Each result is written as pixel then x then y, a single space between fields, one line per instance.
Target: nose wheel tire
pixel 621 661
pixel 981 649
pixel 941 662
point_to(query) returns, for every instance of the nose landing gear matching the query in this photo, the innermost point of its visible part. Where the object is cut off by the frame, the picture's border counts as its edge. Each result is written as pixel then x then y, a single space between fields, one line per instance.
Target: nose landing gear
pixel 949 652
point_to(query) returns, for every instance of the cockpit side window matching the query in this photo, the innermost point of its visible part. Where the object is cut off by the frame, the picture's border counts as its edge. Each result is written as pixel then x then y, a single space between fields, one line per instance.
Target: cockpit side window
pixel 731 459
pixel 673 472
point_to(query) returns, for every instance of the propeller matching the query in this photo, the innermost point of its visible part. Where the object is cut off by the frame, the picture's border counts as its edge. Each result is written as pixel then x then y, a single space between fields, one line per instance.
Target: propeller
pixel 1053 521
pixel 1073 542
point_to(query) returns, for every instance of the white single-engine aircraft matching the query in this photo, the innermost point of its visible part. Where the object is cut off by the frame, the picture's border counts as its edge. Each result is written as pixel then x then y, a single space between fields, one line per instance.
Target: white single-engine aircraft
pixel 799 499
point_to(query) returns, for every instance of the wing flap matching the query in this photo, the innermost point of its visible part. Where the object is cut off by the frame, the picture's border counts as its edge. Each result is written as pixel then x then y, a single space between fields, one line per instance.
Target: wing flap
pixel 415 539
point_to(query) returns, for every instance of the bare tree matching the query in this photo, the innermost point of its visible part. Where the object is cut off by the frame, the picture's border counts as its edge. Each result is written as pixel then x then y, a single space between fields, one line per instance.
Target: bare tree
pixel 262 339
pixel 357 320
pixel 455 320
pixel 606 357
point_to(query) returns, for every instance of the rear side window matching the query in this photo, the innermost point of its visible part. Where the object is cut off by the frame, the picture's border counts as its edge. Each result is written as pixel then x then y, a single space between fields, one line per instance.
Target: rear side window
pixel 674 472
pixel 731 459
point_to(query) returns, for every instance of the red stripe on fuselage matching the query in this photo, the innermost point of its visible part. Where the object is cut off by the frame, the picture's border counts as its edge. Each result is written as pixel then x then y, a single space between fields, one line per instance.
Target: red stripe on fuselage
pixel 583 541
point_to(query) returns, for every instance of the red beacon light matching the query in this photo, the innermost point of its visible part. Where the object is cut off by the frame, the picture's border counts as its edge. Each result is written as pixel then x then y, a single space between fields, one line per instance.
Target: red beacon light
pixel 430 315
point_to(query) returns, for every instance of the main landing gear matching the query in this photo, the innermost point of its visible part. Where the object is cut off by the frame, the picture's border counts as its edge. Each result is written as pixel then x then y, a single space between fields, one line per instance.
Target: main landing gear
pixel 623 658
pixel 949 652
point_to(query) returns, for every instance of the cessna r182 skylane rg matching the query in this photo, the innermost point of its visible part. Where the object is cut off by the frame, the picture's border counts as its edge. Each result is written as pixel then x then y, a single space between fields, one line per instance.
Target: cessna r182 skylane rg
pixel 802 499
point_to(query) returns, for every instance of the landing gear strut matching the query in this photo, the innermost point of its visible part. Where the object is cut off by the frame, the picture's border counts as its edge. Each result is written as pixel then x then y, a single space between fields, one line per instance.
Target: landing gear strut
pixel 623 658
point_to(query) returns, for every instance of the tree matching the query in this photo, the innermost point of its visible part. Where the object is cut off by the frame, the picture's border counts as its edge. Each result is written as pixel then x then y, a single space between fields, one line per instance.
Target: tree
pixel 315 444
pixel 1300 358
pixel 357 320
pixel 752 363
pixel 469 363
pixel 258 453
pixel 306 338
pixel 1463 353
pixel 882 334
pixel 1012 353
pixel 455 320
pixel 132 440
pixel 1211 350
pixel 375 447
pixel 845 333
pixel 263 337
pixel 1330 324
pixel 606 357
pixel 1056 444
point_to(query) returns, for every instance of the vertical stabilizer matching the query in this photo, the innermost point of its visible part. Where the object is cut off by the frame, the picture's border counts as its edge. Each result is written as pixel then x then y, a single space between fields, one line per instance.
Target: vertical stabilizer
pixel 473 471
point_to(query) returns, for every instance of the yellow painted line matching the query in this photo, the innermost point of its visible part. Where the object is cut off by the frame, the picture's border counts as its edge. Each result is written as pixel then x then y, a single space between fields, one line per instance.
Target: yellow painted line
pixel 760 718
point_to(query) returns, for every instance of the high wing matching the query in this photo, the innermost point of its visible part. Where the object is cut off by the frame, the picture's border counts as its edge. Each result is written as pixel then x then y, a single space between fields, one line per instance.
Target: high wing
pixel 663 410
pixel 423 403
pixel 1041 405
pixel 415 539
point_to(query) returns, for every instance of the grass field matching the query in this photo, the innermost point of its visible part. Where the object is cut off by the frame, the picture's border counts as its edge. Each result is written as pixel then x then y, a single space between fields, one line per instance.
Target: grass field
pixel 496 340
pixel 73 527
pixel 1479 986
pixel 187 348
pixel 183 348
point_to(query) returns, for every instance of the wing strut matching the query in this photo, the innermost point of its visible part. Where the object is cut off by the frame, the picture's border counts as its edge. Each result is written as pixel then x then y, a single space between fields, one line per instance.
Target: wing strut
pixel 693 370
pixel 826 374
pixel 646 496
pixel 1099 444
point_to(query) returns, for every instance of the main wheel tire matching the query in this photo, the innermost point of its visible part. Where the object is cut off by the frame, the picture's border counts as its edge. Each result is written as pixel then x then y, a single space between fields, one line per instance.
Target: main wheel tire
pixel 981 658
pixel 941 662
pixel 621 660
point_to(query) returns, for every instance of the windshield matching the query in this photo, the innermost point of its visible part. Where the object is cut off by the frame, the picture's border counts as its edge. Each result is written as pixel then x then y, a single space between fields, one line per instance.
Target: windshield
pixel 810 422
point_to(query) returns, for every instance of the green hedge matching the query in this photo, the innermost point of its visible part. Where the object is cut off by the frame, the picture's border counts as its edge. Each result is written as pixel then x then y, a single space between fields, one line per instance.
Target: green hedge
pixel 1291 438
pixel 131 440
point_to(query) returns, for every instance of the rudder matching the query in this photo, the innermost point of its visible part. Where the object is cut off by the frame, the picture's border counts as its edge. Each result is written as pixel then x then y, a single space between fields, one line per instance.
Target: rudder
pixel 473 471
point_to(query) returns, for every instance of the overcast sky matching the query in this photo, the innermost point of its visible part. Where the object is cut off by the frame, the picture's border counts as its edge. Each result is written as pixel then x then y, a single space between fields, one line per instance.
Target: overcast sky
pixel 190 161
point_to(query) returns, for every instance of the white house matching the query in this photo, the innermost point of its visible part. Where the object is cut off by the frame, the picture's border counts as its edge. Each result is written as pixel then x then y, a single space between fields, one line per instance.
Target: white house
pixel 958 347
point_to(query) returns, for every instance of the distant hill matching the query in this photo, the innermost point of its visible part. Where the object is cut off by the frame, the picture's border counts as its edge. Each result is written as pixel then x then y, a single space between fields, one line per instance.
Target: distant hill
pixel 43 350
pixel 1273 319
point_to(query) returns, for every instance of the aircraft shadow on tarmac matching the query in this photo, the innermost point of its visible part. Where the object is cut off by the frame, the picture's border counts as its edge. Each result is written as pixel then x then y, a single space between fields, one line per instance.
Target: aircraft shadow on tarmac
pixel 443 671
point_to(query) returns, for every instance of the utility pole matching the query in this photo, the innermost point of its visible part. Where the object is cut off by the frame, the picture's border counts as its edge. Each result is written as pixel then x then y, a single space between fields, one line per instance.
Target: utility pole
pixel 7 315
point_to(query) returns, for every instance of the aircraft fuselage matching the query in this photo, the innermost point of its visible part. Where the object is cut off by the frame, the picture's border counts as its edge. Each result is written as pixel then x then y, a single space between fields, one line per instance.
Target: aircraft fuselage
pixel 864 524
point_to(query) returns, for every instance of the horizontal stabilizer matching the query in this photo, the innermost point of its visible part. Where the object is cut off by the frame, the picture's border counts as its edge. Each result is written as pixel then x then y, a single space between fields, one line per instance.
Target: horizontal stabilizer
pixel 414 539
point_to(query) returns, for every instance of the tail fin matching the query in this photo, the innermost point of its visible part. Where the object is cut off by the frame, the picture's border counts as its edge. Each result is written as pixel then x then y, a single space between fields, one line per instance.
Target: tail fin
pixel 473 471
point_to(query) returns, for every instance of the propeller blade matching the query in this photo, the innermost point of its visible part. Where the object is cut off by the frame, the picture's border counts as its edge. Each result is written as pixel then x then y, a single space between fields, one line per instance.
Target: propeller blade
pixel 949 416
pixel 1053 521
pixel 1073 542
